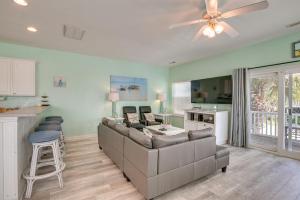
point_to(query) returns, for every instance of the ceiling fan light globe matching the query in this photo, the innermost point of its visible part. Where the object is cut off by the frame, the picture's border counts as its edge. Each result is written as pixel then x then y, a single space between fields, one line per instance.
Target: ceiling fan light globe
pixel 21 2
pixel 212 34
pixel 208 31
pixel 219 29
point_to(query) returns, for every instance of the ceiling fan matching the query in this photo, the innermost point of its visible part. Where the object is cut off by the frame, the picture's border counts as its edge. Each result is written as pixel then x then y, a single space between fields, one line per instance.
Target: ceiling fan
pixel 213 19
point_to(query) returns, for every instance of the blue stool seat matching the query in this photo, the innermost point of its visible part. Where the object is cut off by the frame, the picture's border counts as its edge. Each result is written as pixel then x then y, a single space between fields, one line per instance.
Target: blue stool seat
pixel 43 136
pixel 54 118
pixel 49 127
pixel 50 122
pixel 49 117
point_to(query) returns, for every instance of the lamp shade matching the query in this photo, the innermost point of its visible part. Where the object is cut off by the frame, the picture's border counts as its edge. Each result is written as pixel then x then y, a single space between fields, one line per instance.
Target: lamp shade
pixel 161 97
pixel 113 96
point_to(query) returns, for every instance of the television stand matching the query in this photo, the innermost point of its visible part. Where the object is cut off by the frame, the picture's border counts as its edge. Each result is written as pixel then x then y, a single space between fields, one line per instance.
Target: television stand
pixel 197 119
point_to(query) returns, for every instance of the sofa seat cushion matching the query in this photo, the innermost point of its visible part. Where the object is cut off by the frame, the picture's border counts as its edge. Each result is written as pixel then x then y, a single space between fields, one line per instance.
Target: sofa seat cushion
pixel 160 141
pixel 140 138
pixel 122 129
pixel 222 152
pixel 199 134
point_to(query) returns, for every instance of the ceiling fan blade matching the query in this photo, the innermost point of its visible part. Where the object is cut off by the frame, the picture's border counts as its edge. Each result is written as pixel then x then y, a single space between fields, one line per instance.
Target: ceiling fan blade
pixel 212 7
pixel 229 29
pixel 199 33
pixel 187 23
pixel 246 9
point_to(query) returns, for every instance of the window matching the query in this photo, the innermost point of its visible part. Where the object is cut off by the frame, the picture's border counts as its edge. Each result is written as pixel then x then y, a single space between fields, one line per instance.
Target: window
pixel 181 96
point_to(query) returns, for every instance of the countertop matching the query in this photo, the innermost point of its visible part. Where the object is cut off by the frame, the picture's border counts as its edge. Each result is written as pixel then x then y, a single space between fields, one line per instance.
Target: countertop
pixel 25 112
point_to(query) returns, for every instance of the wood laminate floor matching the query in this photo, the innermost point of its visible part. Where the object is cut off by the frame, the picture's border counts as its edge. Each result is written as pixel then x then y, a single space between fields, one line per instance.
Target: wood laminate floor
pixel 252 174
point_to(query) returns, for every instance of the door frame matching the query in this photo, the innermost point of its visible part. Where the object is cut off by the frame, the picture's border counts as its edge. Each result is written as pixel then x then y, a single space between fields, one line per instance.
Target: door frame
pixel 281 71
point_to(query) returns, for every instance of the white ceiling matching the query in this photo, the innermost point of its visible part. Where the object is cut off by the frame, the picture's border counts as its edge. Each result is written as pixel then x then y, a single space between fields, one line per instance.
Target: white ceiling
pixel 137 30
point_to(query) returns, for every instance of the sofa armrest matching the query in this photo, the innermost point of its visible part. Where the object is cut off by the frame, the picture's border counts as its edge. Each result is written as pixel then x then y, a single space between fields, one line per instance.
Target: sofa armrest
pixel 143 159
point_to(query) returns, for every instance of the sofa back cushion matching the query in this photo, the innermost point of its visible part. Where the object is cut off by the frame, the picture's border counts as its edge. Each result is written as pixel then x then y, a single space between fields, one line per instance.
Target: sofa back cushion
pixel 143 159
pixel 140 138
pixel 113 139
pixel 199 134
pixel 122 129
pixel 111 124
pixel 133 118
pixel 175 156
pixel 160 141
pixel 205 147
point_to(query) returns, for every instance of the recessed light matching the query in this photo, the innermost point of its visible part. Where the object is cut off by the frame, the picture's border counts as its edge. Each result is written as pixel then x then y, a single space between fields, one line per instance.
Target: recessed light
pixel 31 29
pixel 21 2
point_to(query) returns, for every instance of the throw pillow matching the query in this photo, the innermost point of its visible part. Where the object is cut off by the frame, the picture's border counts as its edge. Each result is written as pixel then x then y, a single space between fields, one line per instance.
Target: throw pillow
pixel 105 121
pixel 149 117
pixel 133 118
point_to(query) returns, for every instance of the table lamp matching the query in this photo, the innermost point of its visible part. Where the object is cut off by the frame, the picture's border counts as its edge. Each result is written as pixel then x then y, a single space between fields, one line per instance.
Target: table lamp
pixel 162 98
pixel 114 97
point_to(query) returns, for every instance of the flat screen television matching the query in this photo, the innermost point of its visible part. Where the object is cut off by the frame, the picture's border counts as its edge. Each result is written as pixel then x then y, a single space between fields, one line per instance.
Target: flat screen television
pixel 216 90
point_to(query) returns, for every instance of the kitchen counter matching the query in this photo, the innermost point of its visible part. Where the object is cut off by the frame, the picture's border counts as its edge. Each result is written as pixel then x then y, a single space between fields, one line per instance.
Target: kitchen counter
pixel 15 151
pixel 25 112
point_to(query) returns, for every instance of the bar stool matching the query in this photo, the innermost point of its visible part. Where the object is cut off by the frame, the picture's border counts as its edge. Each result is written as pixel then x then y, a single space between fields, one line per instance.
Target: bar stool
pixel 51 122
pixel 46 127
pixel 53 127
pixel 51 118
pixel 41 140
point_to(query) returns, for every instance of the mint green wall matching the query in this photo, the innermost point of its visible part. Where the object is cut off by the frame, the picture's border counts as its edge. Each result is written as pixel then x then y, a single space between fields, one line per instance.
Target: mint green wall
pixel 269 52
pixel 83 102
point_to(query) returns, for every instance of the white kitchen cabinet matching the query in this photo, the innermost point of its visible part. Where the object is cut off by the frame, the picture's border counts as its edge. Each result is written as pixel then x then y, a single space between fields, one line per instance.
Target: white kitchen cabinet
pixel 5 76
pixel 17 77
pixel 23 78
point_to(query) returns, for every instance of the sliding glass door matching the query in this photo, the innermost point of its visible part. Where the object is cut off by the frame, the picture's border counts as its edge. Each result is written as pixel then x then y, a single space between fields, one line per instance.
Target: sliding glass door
pixel 292 112
pixel 275 109
pixel 264 111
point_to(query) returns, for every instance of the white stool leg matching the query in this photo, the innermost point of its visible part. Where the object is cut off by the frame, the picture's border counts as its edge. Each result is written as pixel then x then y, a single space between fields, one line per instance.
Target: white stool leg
pixel 56 156
pixel 35 154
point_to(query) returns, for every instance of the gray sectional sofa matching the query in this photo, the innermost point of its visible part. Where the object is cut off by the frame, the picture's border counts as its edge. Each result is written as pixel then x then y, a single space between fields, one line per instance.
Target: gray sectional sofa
pixel 162 163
